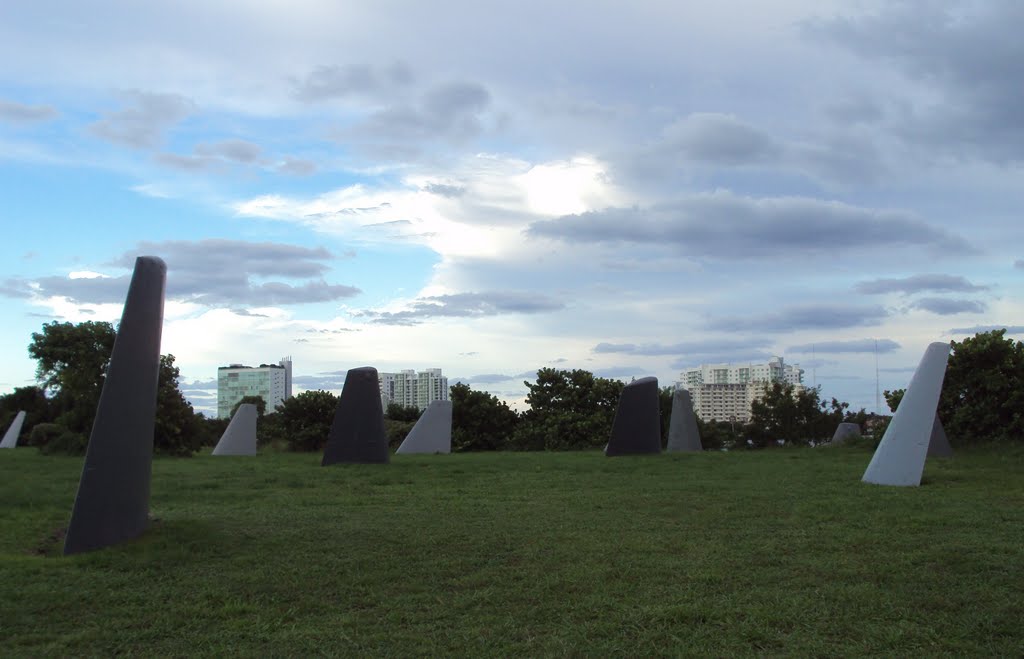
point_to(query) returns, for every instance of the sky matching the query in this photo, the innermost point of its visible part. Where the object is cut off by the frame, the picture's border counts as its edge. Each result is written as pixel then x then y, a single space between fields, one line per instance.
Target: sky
pixel 626 188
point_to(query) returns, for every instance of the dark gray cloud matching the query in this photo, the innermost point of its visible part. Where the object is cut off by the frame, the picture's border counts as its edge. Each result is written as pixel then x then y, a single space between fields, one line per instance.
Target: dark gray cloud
pixel 855 110
pixel 1019 264
pixel 20 113
pixel 726 226
pixel 917 284
pixel 246 312
pixel 16 288
pixel 857 345
pixel 714 346
pixel 465 305
pixel 236 150
pixel 297 167
pixel 213 272
pixel 979 329
pixel 198 386
pixel 450 111
pixel 821 316
pixel 718 139
pixel 947 307
pixel 142 126
pixel 735 356
pixel 970 54
pixel 333 82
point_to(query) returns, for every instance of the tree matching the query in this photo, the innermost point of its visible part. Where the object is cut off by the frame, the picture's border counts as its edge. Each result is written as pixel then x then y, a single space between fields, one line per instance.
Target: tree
pixel 893 398
pixel 261 405
pixel 178 430
pixel 568 410
pixel 72 365
pixel 799 417
pixel 480 422
pixel 305 420
pixel 399 412
pixel 983 391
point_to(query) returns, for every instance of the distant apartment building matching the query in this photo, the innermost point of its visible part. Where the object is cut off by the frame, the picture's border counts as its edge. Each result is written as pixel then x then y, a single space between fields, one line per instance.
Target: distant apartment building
pixel 410 388
pixel 725 392
pixel 271 382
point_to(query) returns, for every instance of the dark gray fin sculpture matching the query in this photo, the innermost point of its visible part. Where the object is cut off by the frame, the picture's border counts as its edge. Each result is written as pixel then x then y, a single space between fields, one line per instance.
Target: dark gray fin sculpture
pixel 13 431
pixel 357 432
pixel 845 431
pixel 433 432
pixel 112 504
pixel 938 445
pixel 682 427
pixel 899 458
pixel 239 437
pixel 637 426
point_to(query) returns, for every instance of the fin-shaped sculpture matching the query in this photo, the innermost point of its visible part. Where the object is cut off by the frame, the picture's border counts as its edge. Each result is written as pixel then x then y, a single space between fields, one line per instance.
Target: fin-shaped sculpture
pixel 938 445
pixel 112 504
pixel 845 431
pixel 239 437
pixel 899 458
pixel 637 425
pixel 13 431
pixel 682 427
pixel 433 432
pixel 357 432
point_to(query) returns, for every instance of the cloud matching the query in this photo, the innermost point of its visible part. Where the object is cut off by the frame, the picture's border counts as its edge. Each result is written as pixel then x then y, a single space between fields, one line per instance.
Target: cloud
pixel 450 191
pixel 969 55
pixel 142 126
pixel 465 305
pixel 917 284
pixel 718 139
pixel 236 150
pixel 980 329
pixel 726 226
pixel 20 113
pixel 854 346
pixel 487 378
pixel 325 83
pixel 948 307
pixel 247 313
pixel 16 288
pixel 326 381
pixel 212 272
pixel 803 317
pixel 296 167
pixel 186 163
pixel 1019 264
pixel 447 111
pixel 714 346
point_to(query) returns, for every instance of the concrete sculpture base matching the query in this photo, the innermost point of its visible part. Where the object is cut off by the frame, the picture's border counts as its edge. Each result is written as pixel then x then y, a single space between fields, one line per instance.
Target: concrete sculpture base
pixel 938 445
pixel 239 437
pixel 845 431
pixel 433 432
pixel 357 432
pixel 112 504
pixel 899 458
pixel 13 431
pixel 682 427
pixel 637 426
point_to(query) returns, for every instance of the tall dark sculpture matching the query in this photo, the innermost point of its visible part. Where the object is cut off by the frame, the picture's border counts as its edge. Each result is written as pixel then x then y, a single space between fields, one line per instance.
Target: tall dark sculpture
pixel 357 432
pixel 112 504
pixel 682 427
pixel 637 426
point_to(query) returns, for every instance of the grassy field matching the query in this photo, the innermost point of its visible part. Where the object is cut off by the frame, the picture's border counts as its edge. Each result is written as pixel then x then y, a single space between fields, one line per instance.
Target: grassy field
pixel 729 554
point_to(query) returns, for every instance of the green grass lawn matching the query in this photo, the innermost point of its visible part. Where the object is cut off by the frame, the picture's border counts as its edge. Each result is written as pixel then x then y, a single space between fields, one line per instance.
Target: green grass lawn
pixel 744 553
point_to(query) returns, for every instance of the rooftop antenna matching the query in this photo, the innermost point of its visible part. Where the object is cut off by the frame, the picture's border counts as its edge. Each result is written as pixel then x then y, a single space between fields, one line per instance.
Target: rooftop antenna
pixel 878 398
pixel 814 369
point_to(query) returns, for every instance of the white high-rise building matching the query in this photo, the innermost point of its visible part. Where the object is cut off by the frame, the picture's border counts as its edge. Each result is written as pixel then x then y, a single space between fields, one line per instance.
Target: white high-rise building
pixel 725 392
pixel 271 382
pixel 411 389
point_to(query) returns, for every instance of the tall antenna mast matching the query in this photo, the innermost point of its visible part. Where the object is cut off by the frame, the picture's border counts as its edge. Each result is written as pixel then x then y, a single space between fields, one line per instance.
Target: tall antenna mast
pixel 814 369
pixel 878 397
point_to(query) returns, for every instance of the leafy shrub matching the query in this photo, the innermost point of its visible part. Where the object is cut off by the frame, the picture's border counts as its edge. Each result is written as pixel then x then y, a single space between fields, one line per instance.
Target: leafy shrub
pixel 53 438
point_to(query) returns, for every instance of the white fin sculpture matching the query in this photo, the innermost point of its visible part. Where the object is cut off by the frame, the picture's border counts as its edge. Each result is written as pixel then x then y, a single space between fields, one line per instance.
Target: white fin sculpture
pixel 845 431
pixel 938 446
pixel 11 436
pixel 239 437
pixel 682 426
pixel 433 432
pixel 899 458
